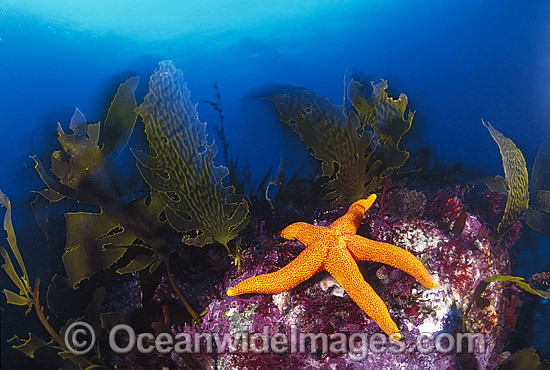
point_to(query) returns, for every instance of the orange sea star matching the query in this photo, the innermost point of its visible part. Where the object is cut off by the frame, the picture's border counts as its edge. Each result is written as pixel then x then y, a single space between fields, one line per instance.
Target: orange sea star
pixel 335 249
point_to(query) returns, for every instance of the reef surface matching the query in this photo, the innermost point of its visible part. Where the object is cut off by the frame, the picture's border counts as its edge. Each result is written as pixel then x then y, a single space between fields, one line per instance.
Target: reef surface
pixel 447 230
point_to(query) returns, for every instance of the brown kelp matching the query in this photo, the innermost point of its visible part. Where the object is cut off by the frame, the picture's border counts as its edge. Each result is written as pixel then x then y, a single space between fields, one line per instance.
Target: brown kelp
pixel 357 147
pixel 30 297
pixel 82 161
pixel 479 301
pixel 87 173
pixel 186 192
pixel 386 117
pixel 526 359
pixel 180 165
pixel 516 179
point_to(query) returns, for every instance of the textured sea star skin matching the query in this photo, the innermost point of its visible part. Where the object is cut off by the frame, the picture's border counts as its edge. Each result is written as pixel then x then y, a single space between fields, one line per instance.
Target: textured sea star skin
pixel 335 249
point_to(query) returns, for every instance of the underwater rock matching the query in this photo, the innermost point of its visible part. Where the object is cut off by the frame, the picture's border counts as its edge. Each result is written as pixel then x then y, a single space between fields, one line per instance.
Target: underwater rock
pixel 408 203
pixel 249 331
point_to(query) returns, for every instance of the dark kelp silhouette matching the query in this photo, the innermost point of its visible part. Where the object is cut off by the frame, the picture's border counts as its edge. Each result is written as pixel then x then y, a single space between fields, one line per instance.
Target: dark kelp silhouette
pixel 88 173
pixel 538 213
pixel 30 297
pixel 357 147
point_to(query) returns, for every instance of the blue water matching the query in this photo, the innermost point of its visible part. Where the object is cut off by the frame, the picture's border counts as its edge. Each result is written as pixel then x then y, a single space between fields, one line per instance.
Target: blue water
pixel 458 62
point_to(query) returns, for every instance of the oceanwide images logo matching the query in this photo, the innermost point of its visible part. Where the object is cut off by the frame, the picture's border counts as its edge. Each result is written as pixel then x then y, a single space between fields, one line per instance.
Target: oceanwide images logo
pixel 80 339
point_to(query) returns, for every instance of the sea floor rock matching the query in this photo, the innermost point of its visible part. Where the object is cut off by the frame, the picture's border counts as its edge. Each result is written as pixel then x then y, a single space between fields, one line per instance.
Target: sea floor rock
pixel 276 331
pixel 316 325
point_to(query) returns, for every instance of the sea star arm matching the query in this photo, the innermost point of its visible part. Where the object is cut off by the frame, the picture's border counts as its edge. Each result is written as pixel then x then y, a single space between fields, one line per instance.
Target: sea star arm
pixel 350 222
pixel 344 269
pixel 306 233
pixel 307 264
pixel 363 249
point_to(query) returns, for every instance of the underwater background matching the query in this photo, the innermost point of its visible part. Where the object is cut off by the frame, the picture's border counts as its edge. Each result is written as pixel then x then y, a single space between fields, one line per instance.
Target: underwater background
pixel 457 63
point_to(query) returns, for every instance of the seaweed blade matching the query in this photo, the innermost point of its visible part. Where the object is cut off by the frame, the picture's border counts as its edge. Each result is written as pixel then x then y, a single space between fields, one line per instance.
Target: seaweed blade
pixel 180 165
pixel 516 179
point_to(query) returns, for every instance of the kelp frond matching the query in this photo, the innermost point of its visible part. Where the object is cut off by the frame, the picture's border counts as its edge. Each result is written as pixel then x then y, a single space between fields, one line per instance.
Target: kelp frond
pixel 180 166
pixel 386 117
pixel 185 186
pixel 82 160
pixel 29 296
pixel 88 172
pixel 20 279
pixel 332 139
pixel 356 147
pixel 515 177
